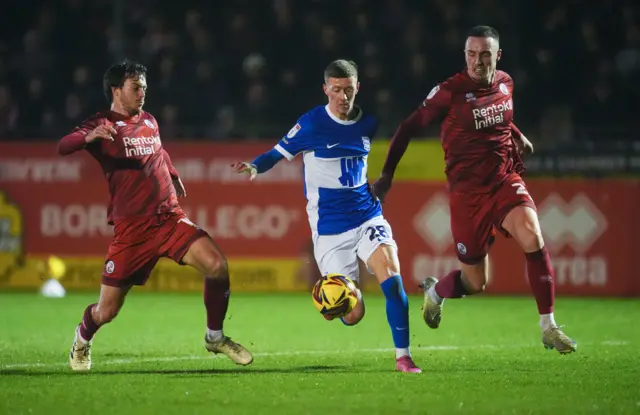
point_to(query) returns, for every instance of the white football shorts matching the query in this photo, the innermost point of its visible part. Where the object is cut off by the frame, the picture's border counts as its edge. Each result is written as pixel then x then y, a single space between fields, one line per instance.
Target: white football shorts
pixel 338 254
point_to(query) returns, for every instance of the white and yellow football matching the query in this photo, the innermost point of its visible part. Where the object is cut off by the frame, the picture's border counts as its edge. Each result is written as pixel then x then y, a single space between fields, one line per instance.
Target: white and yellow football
pixel 334 296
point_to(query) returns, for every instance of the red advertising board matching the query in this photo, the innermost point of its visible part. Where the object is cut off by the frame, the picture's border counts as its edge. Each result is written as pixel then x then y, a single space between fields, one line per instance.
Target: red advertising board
pixel 590 227
pixel 63 200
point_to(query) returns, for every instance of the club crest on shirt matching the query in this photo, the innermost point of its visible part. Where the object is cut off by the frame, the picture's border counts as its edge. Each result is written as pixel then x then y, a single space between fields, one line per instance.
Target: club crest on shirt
pixel 148 123
pixel 366 143
pixel 433 92
pixel 504 89
pixel 293 131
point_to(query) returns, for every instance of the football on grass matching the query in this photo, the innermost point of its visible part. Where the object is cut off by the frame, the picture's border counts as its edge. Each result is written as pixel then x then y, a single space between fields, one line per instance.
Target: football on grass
pixel 334 296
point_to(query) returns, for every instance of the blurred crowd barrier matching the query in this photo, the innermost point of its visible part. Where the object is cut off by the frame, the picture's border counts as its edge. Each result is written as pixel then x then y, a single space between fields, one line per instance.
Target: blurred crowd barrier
pixel 51 205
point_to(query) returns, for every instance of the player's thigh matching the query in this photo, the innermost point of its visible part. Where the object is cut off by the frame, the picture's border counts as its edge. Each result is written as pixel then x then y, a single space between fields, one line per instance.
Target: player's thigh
pixel 188 244
pixel 377 248
pixel 336 254
pixel 207 257
pixel 471 227
pixel 515 213
pixel 511 194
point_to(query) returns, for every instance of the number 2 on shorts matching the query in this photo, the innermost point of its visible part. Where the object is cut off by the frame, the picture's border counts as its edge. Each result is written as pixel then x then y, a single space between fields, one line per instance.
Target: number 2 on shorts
pixel 520 189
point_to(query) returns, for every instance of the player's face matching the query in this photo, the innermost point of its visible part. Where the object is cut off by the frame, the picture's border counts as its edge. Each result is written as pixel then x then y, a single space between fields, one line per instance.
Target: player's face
pixel 482 55
pixel 131 95
pixel 342 93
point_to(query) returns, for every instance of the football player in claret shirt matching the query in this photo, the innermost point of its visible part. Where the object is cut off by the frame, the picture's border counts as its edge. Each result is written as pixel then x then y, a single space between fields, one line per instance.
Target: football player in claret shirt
pixel 482 148
pixel 148 222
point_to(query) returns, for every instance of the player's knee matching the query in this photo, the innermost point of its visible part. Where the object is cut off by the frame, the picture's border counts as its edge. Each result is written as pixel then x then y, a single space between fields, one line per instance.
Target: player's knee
pixel 475 287
pixel 216 266
pixel 525 228
pixel 529 234
pixel 474 282
pixel 384 263
pixel 106 313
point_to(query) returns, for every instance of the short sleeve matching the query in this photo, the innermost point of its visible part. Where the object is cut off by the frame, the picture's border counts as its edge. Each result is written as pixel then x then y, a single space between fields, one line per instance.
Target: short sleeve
pixel 297 140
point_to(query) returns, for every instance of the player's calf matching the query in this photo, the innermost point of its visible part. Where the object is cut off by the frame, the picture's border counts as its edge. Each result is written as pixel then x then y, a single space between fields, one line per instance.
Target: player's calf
pixel 205 255
pixel 522 223
pixel 94 317
pixel 385 265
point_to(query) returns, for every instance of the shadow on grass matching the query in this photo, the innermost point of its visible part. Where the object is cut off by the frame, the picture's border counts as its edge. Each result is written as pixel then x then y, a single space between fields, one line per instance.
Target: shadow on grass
pixel 184 372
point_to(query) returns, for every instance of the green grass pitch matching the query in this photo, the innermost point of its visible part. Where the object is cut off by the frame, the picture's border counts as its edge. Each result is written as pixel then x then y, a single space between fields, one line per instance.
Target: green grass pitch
pixel 486 358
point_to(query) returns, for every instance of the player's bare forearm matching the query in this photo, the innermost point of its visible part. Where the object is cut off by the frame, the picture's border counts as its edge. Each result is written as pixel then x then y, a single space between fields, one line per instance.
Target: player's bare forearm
pixel 71 143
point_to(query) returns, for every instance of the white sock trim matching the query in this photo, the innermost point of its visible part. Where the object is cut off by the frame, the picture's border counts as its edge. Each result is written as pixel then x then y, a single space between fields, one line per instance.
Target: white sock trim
pixel 214 335
pixel 434 295
pixel 403 352
pixel 547 321
pixel 79 336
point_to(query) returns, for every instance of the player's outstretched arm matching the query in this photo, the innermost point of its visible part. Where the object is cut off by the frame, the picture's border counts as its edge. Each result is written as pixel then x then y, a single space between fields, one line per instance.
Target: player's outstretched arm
pixel 433 107
pixel 410 127
pixel 261 164
pixel 83 135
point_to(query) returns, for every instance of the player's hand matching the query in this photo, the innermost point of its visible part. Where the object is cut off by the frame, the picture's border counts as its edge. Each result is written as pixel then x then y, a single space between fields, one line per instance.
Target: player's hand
pixel 180 190
pixel 101 132
pixel 523 145
pixel 244 167
pixel 382 186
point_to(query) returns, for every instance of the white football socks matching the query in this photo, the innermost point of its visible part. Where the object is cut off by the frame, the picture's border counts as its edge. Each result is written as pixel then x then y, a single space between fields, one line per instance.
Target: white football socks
pixel 547 321
pixel 214 336
pixel 79 336
pixel 402 352
pixel 434 295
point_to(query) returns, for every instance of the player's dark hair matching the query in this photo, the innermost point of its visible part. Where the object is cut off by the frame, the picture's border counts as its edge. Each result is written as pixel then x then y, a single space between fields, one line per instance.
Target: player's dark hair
pixel 341 68
pixel 483 31
pixel 118 73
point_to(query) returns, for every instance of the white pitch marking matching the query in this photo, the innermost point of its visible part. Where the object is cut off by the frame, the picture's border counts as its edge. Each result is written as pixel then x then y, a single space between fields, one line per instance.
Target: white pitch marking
pixel 609 343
